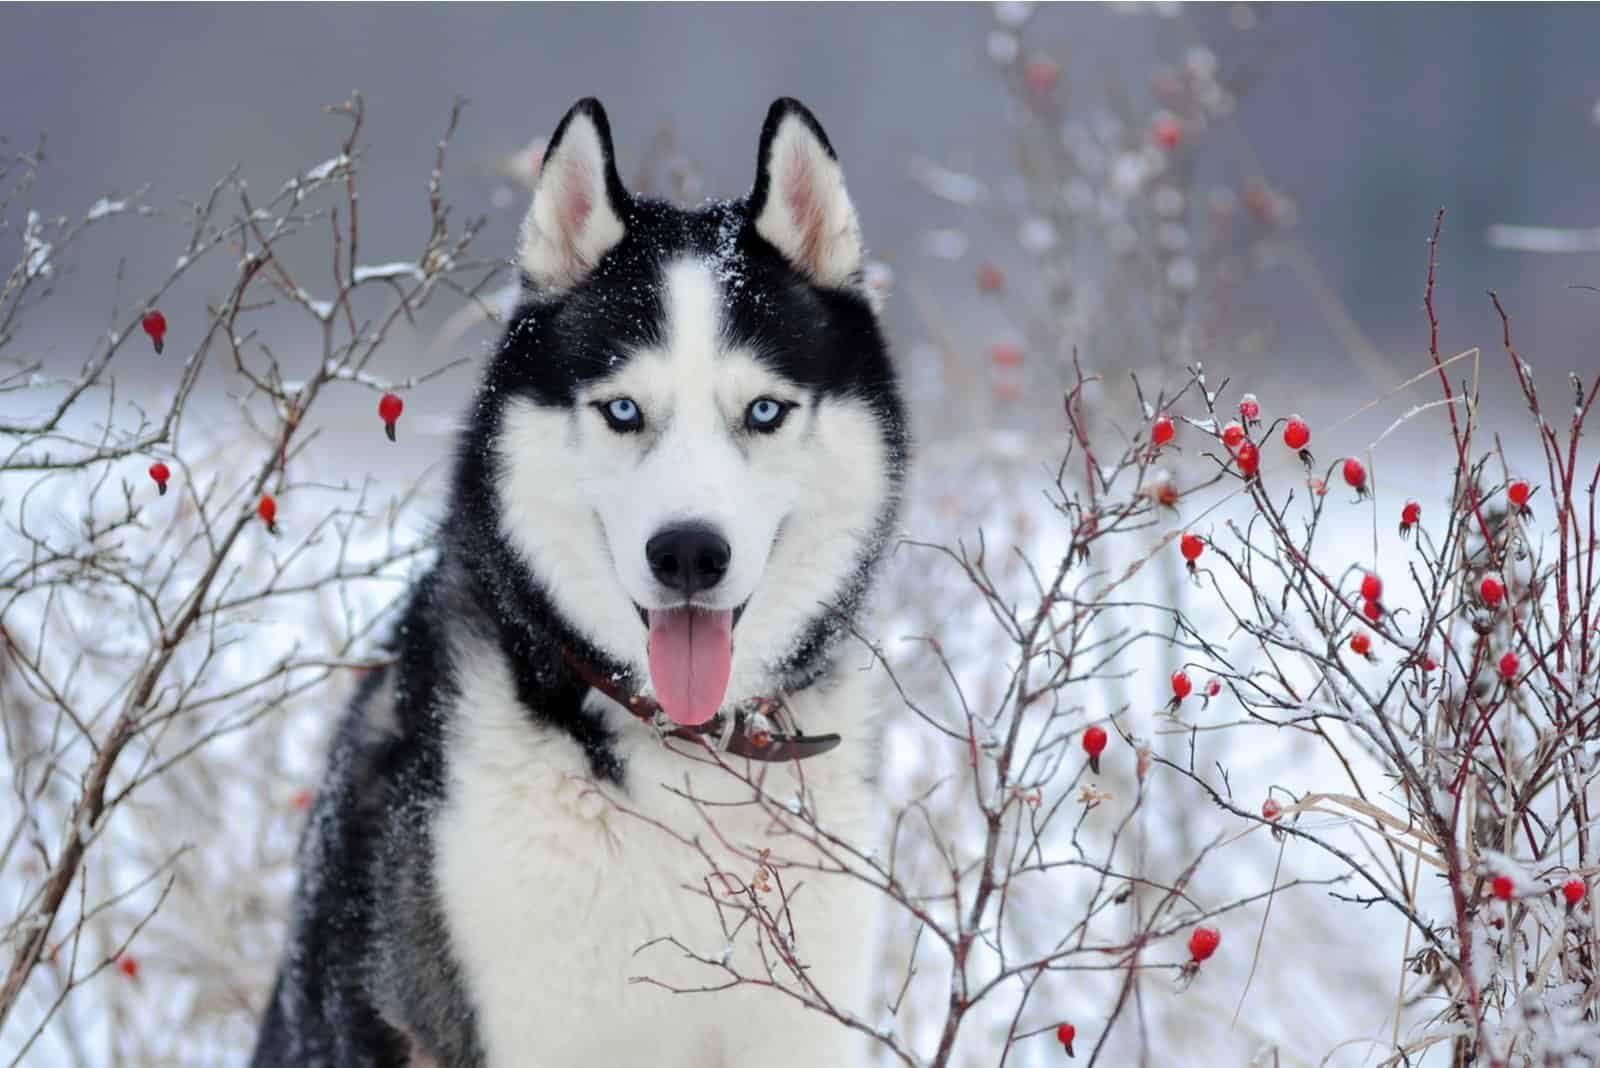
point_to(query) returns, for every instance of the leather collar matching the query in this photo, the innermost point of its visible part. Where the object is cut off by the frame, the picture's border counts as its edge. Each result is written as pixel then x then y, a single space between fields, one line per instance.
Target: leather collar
pixel 748 730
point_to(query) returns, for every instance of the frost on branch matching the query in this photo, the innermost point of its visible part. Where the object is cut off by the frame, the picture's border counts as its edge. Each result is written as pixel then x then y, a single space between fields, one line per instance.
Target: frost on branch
pixel 166 664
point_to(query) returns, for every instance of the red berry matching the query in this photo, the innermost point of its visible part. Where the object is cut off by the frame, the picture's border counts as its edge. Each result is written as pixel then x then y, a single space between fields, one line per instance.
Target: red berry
pixel 1270 809
pixel 1162 430
pixel 1065 1033
pixel 1573 890
pixel 1005 354
pixel 1518 492
pixel 1410 513
pixel 1094 743
pixel 1371 586
pixel 267 509
pixel 389 409
pixel 1191 547
pixel 1430 664
pixel 1181 686
pixel 1372 610
pixel 991 279
pixel 1213 688
pixel 1296 434
pixel 1491 591
pixel 128 966
pixel 1249 408
pixel 155 325
pixel 1360 643
pixel 1355 474
pixel 301 799
pixel 1167 131
pixel 1502 887
pixel 1509 666
pixel 1041 75
pixel 1203 942
pixel 1232 436
pixel 160 473
pixel 1249 458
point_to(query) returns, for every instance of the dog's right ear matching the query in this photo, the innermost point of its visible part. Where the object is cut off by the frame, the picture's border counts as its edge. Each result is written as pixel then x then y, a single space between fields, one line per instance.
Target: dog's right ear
pixel 578 203
pixel 799 203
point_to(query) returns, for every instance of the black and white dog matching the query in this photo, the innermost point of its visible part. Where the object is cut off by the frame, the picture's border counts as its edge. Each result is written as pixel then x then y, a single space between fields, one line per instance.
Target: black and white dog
pixel 668 501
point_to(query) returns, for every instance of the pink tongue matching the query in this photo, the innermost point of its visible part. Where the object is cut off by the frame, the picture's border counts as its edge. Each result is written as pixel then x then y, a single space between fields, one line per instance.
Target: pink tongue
pixel 690 655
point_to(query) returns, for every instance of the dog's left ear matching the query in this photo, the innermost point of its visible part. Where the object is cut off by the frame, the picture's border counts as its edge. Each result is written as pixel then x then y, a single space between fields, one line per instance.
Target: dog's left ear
pixel 799 202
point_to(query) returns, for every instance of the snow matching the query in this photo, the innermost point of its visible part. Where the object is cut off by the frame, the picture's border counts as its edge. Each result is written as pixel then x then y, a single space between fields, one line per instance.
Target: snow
pixel 36 251
pixel 322 309
pixel 383 271
pixel 104 207
pixel 210 952
pixel 328 168
pixel 947 184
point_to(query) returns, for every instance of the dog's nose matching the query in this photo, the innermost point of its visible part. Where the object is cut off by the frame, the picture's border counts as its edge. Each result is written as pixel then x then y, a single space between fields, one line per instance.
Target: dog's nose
pixel 688 557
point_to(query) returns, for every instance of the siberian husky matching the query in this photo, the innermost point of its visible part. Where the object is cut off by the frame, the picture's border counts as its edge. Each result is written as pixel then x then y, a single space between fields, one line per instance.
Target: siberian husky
pixel 668 501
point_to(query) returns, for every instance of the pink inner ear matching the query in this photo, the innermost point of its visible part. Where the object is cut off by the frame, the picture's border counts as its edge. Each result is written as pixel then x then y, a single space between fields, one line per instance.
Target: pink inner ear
pixel 805 207
pixel 573 210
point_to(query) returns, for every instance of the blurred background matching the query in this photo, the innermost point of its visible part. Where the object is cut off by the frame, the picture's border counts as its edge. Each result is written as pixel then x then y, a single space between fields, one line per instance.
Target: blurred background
pixel 1367 118
pixel 1250 187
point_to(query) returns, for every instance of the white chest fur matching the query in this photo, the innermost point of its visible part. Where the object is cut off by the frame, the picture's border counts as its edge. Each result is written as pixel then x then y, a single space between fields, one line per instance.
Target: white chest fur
pixel 552 884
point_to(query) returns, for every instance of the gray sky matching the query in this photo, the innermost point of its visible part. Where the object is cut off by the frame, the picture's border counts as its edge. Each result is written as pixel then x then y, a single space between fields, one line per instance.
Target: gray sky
pixel 1369 116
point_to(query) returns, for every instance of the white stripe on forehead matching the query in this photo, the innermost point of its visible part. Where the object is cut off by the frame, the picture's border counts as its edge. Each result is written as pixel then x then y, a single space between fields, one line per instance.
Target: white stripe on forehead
pixel 693 305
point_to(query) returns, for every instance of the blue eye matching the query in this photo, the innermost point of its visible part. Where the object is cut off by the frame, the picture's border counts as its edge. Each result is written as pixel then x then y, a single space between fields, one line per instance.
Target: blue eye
pixel 622 415
pixel 765 414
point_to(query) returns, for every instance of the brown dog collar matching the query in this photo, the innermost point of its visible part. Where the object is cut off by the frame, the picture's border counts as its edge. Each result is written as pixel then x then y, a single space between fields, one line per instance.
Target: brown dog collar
pixel 749 730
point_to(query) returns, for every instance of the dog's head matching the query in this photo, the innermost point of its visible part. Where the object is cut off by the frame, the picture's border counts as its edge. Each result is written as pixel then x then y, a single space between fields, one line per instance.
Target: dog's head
pixel 695 438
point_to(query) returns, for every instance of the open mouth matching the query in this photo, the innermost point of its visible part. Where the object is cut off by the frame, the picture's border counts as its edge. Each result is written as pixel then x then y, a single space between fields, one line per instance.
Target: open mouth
pixel 691 658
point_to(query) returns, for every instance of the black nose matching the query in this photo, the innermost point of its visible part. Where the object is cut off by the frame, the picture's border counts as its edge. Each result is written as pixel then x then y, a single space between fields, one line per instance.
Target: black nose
pixel 688 557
